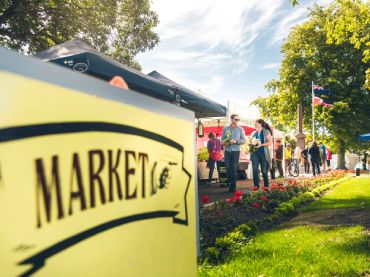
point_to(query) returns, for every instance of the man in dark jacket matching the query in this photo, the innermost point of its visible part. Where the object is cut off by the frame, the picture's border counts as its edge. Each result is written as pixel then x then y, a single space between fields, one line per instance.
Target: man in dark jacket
pixel 279 158
pixel 314 152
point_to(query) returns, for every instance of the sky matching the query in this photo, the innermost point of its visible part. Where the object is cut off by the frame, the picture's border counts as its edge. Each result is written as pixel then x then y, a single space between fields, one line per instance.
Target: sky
pixel 226 50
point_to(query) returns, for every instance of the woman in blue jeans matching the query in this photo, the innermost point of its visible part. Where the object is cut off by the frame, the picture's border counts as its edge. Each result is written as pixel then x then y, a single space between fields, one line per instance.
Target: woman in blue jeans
pixel 261 157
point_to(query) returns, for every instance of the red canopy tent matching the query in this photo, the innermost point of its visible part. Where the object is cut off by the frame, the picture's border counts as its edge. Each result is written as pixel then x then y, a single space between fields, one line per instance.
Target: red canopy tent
pixel 217 130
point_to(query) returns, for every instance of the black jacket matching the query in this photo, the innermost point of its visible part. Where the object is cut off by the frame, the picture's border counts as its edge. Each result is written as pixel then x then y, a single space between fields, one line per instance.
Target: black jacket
pixel 279 153
pixel 304 154
pixel 314 152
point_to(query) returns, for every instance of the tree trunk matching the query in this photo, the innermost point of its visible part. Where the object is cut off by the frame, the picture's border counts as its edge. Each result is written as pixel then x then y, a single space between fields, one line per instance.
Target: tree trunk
pixel 341 163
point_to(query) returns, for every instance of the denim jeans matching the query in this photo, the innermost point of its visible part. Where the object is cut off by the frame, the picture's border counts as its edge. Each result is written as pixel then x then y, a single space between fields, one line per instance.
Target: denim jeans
pixel 280 168
pixel 258 159
pixel 231 163
pixel 315 165
pixel 211 165
pixel 306 166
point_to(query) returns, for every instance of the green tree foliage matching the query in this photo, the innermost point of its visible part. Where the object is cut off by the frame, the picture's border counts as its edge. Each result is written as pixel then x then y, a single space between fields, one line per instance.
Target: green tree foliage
pixel 339 66
pixel 119 28
pixel 351 23
pixel 294 2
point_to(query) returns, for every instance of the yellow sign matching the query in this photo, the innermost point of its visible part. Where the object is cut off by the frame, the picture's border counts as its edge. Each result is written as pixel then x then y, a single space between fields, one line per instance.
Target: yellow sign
pixel 91 186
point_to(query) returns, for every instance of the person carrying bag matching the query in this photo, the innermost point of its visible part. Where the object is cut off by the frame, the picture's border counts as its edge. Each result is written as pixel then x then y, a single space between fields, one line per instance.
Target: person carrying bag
pixel 261 154
pixel 215 155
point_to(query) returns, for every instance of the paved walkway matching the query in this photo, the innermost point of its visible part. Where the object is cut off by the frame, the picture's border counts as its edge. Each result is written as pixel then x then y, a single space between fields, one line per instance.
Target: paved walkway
pixel 215 192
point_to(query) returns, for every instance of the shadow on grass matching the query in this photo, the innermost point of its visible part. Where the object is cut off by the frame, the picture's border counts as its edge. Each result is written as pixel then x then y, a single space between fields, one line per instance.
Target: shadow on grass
pixel 327 203
pixel 332 217
pixel 358 246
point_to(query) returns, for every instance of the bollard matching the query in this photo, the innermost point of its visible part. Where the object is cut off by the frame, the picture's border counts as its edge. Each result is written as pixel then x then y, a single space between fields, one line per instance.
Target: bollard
pixel 357 172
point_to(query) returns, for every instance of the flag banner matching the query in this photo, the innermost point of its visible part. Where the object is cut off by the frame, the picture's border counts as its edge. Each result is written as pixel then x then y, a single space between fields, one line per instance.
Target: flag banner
pixel 320 102
pixel 321 91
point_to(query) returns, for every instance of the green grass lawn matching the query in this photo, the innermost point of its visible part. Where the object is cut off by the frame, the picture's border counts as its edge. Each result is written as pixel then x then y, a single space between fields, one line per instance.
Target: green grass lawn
pixel 354 193
pixel 309 249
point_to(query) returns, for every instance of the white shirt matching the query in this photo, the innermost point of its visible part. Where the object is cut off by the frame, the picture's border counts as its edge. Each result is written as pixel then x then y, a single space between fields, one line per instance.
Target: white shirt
pixel 297 153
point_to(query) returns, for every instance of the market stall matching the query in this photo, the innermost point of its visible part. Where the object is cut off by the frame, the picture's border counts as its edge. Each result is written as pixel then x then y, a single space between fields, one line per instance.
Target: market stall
pixel 81 57
pixel 216 126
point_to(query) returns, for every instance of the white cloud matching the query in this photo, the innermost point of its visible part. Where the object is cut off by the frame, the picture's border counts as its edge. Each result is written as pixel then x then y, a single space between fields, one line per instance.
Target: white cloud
pixel 178 55
pixel 210 46
pixel 205 43
pixel 270 65
pixel 205 86
pixel 283 28
pixel 292 17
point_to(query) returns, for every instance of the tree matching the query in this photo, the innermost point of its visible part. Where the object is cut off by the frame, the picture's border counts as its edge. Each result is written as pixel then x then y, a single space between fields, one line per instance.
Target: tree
pixel 119 28
pixel 351 24
pixel 294 2
pixel 307 56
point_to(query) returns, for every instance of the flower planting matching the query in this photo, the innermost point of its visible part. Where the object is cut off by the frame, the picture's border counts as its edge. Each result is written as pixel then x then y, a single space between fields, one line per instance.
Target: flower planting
pixel 241 215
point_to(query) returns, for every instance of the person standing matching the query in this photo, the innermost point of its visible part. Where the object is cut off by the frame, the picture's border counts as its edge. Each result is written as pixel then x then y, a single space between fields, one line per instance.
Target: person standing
pixel 288 156
pixel 314 152
pixel 261 157
pixel 328 157
pixel 215 155
pixel 233 137
pixel 297 156
pixel 306 160
pixel 323 156
pixel 279 158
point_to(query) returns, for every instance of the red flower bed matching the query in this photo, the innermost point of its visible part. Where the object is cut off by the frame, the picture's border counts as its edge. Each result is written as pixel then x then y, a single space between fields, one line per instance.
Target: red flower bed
pixel 205 199
pixel 223 216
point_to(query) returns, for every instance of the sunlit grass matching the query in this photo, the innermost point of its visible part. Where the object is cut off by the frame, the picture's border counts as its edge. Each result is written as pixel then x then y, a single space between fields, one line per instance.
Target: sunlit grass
pixel 301 251
pixel 354 193
pixel 308 250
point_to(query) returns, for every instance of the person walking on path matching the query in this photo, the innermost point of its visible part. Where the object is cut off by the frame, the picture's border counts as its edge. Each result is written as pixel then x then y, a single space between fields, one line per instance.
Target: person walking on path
pixel 233 137
pixel 306 160
pixel 297 156
pixel 288 156
pixel 323 156
pixel 215 155
pixel 279 158
pixel 261 157
pixel 315 158
pixel 328 157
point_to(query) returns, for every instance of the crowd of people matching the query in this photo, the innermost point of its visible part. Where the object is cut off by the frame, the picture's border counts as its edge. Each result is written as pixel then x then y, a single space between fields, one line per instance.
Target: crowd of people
pixel 314 158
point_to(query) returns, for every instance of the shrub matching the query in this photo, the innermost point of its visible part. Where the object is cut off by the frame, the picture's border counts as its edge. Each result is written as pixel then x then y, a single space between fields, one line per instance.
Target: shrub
pixel 225 246
pixel 202 154
pixel 252 211
pixel 246 230
pixel 212 255
pixel 286 209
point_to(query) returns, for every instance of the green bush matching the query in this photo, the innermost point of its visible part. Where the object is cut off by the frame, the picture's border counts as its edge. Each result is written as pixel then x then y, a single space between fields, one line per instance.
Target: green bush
pixel 286 208
pixel 226 245
pixel 246 230
pixel 296 201
pixel 274 217
pixel 212 255
pixel 282 201
pixel 202 154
